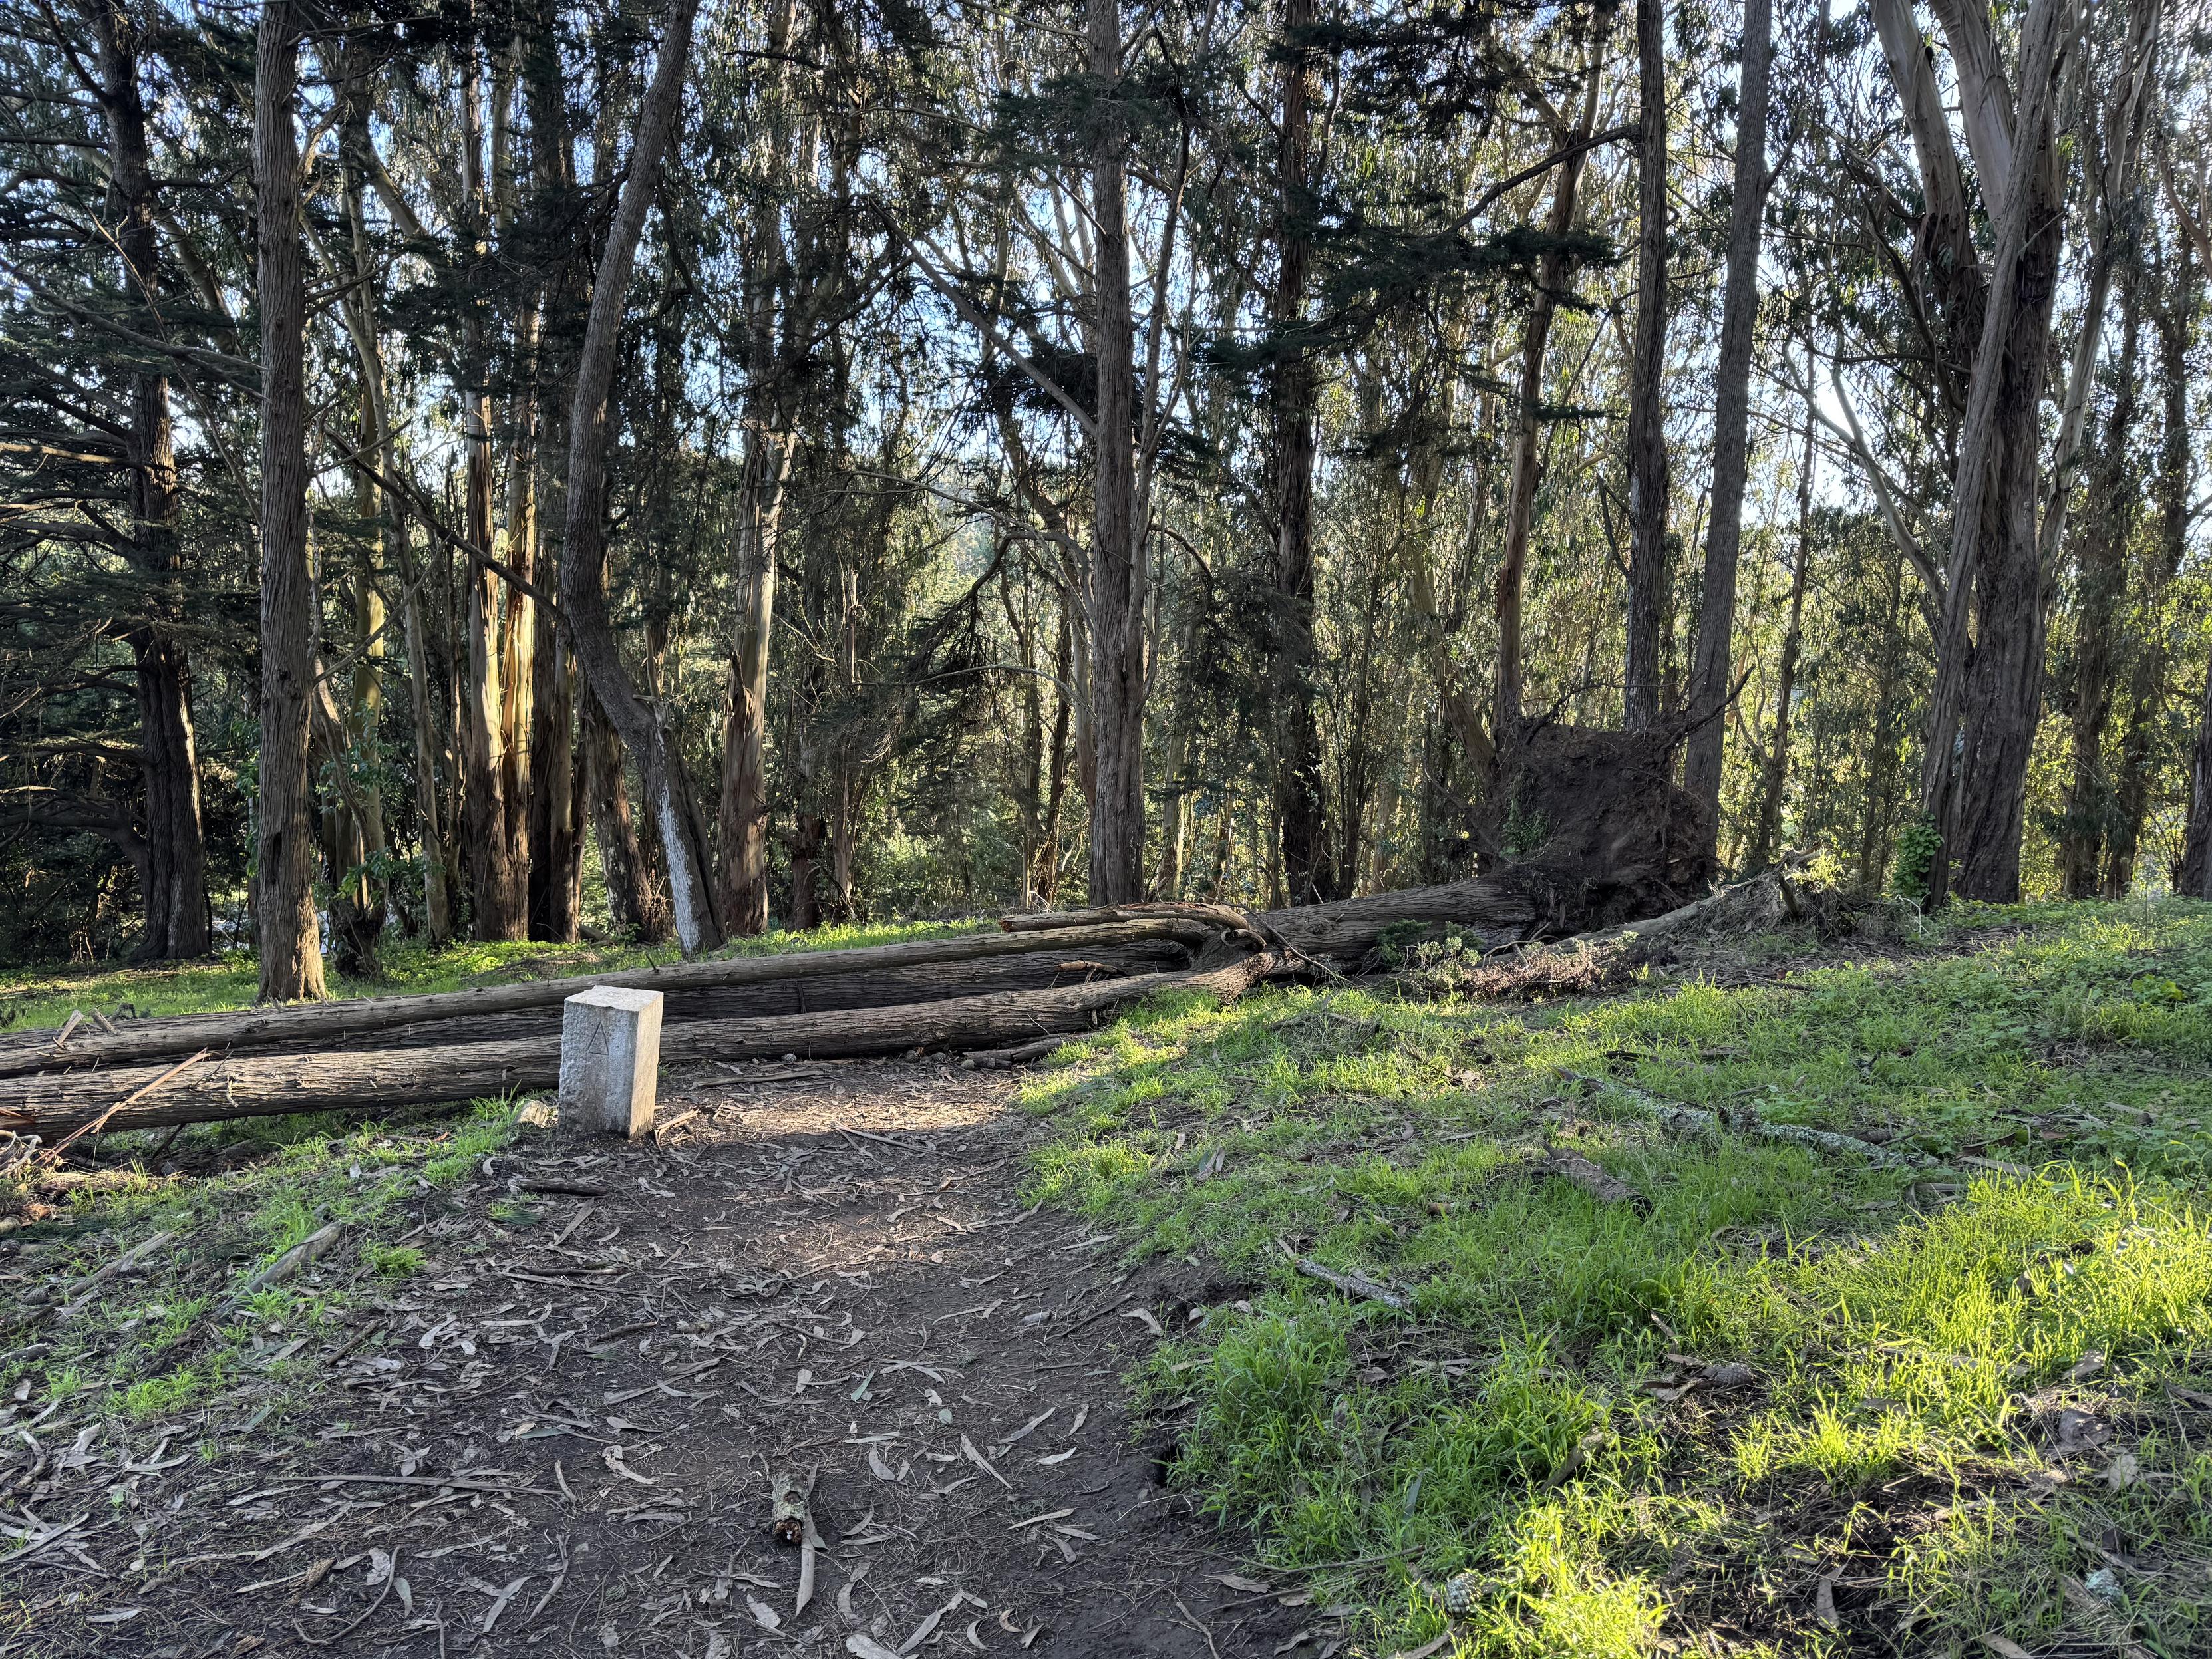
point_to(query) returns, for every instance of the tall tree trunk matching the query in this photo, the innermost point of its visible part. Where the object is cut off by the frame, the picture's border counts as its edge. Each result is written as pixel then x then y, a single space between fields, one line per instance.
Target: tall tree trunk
pixel 1552 269
pixel 809 830
pixel 1648 482
pixel 741 818
pixel 1117 573
pixel 1708 682
pixel 1878 825
pixel 284 848
pixel 2176 325
pixel 172 881
pixel 1775 776
pixel 1989 686
pixel 359 901
pixel 2149 685
pixel 1044 877
pixel 584 558
pixel 2102 563
pixel 437 852
pixel 498 895
pixel 634 904
pixel 1299 793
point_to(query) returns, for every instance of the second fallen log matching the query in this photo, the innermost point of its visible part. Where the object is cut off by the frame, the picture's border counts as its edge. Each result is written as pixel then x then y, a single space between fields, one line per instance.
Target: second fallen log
pixel 374 1079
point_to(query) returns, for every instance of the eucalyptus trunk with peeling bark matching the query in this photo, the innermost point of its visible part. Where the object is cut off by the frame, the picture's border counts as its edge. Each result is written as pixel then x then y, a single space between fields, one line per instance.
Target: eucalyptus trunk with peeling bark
pixel 2101 564
pixel 1989 676
pixel 1774 774
pixel 584 561
pixel 498 894
pixel 741 819
pixel 634 903
pixel 173 879
pixel 1648 481
pixel 1709 680
pixel 1116 577
pixel 284 839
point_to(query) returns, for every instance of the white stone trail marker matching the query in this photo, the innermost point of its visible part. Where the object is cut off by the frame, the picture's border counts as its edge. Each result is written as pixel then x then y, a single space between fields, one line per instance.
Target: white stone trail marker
pixel 610 1059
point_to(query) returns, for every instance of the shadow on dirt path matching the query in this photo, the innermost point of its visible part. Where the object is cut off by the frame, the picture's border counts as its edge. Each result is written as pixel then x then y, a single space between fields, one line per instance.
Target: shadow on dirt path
pixel 565 1432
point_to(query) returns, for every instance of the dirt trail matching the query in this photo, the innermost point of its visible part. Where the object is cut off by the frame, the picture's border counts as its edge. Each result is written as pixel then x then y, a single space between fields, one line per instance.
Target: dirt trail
pixel 565 1430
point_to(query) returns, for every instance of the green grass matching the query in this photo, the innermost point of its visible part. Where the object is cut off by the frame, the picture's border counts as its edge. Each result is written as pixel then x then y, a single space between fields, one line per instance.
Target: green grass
pixel 158 1344
pixel 1519 1429
pixel 178 1337
pixel 45 995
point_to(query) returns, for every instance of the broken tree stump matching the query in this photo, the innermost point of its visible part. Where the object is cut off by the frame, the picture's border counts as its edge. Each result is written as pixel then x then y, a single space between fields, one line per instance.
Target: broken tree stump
pixel 610 1059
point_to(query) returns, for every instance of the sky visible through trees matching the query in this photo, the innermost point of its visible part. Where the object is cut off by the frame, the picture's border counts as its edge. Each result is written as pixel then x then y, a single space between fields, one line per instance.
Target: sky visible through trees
pixel 508 470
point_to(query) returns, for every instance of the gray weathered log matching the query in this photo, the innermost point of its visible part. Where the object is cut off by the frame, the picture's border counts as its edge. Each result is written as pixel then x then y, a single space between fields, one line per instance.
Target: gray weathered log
pixel 779 979
pixel 377 1080
pixel 1498 909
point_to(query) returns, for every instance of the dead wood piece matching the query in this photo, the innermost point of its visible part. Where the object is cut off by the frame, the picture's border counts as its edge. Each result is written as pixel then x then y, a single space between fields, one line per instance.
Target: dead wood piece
pixel 376 1079
pixel 1230 920
pixel 1695 1120
pixel 326 1024
pixel 73 1299
pixel 52 1154
pixel 292 1263
pixel 1607 1189
pixel 667 1126
pixel 1494 909
pixel 1356 1285
pixel 992 1059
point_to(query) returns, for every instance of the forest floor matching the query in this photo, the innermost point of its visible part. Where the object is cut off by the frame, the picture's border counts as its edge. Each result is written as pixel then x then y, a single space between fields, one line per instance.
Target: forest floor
pixel 1042 1348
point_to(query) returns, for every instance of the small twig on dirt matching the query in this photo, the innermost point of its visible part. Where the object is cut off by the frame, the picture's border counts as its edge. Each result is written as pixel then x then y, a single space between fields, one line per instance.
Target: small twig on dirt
pixel 1101 1314
pixel 560 1578
pixel 1357 1285
pixel 1191 1619
pixel 441 1482
pixel 558 1187
pixel 332 1641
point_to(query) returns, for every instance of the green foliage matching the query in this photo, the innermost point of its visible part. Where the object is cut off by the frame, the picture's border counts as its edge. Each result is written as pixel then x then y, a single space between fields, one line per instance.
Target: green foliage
pixel 1527 1421
pixel 1919 844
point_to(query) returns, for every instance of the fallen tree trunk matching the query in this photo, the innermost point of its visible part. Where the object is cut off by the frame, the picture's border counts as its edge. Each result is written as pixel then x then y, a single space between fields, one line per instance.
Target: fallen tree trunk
pixel 270 1085
pixel 327 1026
pixel 1498 909
pixel 1031 970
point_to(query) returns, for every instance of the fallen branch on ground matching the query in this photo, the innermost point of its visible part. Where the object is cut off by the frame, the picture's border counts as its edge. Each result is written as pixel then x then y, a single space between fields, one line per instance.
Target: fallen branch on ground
pixel 1607 1189
pixel 372 1079
pixel 327 1024
pixel 1356 1285
pixel 1695 1120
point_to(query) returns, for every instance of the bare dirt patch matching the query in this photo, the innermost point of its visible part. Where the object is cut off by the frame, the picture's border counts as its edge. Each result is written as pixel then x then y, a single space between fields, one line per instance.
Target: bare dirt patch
pixel 566 1430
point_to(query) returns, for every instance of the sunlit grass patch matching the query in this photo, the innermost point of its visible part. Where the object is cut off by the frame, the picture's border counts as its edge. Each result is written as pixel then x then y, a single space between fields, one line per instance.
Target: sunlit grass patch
pixel 1897 1342
pixel 176 1337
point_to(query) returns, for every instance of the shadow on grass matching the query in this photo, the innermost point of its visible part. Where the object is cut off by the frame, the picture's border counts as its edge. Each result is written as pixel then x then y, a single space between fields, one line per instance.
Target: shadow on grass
pixel 1790 1400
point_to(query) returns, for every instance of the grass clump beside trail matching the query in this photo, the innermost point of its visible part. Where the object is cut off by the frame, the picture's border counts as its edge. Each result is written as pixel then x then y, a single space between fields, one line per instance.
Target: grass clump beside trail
pixel 184 1330
pixel 181 1333
pixel 1787 1401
